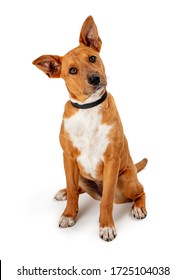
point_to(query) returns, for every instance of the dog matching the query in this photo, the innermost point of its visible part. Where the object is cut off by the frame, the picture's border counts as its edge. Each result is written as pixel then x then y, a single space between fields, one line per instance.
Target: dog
pixel 95 150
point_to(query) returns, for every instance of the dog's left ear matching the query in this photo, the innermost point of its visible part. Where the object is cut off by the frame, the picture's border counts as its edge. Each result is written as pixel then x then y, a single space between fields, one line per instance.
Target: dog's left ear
pixel 49 64
pixel 89 34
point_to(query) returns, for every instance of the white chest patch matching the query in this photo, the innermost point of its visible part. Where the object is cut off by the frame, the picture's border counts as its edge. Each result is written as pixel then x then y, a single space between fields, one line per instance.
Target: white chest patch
pixel 89 136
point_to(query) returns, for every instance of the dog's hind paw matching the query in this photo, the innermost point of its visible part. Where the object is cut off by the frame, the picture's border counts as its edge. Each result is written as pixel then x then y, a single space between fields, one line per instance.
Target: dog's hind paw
pixel 138 213
pixel 66 222
pixel 61 195
pixel 107 233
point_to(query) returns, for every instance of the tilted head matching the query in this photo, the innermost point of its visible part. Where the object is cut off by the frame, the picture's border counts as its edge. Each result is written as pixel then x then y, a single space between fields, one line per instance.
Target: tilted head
pixel 81 68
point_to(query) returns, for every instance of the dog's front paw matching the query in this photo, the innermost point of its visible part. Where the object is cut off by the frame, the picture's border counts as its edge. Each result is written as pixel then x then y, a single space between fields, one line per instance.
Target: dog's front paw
pixel 66 222
pixel 61 195
pixel 107 233
pixel 139 213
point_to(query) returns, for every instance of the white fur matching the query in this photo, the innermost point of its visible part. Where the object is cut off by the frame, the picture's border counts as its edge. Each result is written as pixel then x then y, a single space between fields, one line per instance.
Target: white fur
pixel 61 195
pixel 107 233
pixel 89 136
pixel 66 222
pixel 138 213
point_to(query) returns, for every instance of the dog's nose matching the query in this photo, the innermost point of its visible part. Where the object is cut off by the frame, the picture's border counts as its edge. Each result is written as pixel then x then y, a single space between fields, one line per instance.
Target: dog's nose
pixel 94 80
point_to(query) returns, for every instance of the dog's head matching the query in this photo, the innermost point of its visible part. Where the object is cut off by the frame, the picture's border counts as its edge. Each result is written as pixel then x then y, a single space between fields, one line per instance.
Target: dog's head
pixel 81 68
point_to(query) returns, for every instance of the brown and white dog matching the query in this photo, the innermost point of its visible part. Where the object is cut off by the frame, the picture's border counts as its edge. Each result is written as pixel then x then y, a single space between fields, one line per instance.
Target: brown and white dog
pixel 96 154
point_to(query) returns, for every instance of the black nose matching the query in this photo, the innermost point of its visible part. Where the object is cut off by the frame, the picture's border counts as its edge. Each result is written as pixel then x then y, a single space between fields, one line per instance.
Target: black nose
pixel 94 80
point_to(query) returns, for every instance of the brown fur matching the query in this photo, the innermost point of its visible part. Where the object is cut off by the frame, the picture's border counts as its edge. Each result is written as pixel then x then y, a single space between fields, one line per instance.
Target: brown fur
pixel 116 176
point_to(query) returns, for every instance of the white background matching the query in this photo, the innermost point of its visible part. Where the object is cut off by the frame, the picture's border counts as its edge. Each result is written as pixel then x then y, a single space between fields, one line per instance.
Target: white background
pixel 144 51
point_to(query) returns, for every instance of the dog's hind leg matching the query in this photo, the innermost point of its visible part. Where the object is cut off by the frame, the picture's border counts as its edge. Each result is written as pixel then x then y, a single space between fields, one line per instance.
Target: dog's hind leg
pixel 131 188
pixel 62 194
pixel 92 188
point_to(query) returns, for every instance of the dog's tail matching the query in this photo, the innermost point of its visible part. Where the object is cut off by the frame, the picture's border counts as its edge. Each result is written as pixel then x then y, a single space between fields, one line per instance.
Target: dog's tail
pixel 141 164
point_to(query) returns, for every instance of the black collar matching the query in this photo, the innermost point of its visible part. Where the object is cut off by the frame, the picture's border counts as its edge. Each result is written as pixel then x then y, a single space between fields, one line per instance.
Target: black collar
pixel 90 105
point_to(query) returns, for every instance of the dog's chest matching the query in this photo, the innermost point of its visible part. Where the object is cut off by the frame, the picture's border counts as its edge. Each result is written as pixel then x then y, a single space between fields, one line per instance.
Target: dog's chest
pixel 89 136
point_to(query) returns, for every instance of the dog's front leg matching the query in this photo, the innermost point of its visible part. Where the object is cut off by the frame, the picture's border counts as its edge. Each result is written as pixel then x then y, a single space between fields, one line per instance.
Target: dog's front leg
pixel 72 178
pixel 107 229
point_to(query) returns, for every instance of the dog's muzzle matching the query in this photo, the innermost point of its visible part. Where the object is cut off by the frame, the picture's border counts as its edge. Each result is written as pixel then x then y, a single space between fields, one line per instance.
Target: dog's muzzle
pixel 94 80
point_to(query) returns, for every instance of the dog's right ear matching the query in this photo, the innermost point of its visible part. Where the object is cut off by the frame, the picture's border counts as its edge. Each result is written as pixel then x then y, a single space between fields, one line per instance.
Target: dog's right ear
pixel 89 35
pixel 49 64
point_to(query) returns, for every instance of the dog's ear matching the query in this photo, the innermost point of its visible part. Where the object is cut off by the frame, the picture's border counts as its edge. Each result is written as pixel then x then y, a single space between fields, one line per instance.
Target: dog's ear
pixel 49 64
pixel 89 34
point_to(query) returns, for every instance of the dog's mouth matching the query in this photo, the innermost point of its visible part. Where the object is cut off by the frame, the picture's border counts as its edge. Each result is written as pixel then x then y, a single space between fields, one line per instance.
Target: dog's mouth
pixel 94 90
pixel 97 88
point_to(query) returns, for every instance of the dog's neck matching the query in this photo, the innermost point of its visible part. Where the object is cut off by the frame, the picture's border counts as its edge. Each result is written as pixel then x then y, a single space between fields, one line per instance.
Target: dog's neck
pixel 94 100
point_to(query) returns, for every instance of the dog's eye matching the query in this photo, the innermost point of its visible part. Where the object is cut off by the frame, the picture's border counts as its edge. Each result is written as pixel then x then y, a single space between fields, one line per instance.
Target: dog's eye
pixel 92 58
pixel 73 70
